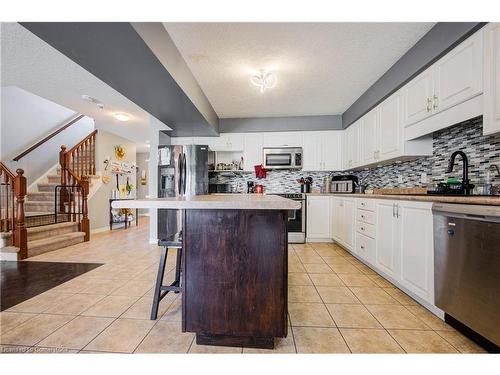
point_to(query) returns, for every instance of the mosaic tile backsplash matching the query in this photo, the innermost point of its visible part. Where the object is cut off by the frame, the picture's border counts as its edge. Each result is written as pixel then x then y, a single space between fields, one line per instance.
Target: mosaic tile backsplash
pixel 482 151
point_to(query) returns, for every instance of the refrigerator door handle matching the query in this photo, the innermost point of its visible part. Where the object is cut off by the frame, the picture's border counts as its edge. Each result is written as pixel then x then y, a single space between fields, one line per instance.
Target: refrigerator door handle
pixel 184 172
pixel 179 185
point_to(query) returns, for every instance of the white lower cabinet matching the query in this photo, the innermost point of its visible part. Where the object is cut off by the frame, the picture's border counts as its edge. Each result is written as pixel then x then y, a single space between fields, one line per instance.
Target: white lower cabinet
pixel 318 218
pixel 387 254
pixel 343 221
pixel 395 237
pixel 416 246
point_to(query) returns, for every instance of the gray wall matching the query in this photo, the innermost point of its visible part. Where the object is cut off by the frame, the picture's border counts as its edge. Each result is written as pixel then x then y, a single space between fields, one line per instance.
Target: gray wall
pixel 268 124
pixel 438 41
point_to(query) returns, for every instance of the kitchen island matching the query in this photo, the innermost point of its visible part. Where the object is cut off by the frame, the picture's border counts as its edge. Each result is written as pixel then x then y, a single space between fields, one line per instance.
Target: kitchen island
pixel 234 269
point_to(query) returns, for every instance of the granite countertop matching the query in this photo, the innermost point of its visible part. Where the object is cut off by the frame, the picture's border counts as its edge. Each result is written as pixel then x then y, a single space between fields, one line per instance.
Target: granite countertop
pixel 471 199
pixel 214 201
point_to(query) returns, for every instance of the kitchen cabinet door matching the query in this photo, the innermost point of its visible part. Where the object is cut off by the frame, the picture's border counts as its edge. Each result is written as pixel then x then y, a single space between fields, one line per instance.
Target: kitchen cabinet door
pixel 369 137
pixel 458 76
pixel 491 63
pixel 391 127
pixel 283 139
pixel 252 151
pixel 418 98
pixel 348 222
pixel 416 244
pixel 331 150
pixel 318 217
pixel 352 145
pixel 311 151
pixel 387 252
pixel 336 218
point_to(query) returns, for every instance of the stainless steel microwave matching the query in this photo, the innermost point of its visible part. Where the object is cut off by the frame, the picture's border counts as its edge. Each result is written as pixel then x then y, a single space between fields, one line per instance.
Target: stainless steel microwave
pixel 282 157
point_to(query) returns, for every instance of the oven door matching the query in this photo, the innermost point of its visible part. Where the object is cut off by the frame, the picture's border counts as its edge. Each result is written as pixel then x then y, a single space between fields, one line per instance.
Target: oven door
pixel 296 225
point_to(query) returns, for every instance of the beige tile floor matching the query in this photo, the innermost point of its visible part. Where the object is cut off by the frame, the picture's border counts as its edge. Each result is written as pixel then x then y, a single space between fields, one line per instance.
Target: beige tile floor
pixel 336 305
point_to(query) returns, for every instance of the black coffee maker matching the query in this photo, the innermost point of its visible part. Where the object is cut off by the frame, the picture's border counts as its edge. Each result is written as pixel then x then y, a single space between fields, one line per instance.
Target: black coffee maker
pixel 250 186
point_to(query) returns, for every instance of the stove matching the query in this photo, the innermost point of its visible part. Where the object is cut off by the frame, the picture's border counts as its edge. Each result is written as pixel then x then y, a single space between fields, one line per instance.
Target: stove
pixel 296 218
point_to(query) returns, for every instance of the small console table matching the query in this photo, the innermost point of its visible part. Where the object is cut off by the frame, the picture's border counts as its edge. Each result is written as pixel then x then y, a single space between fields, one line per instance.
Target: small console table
pixel 111 218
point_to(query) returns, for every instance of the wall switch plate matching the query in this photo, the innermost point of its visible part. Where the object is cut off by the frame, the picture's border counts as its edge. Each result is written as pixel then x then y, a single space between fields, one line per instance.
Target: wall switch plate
pixel 400 178
pixel 423 177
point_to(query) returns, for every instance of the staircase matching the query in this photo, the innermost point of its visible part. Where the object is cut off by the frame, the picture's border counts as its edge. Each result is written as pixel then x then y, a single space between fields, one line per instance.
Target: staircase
pixel 51 217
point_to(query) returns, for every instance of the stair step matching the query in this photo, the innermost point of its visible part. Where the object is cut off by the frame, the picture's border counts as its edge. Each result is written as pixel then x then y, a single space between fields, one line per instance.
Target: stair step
pixel 54 178
pixel 39 206
pixel 45 245
pixel 41 196
pixel 47 231
pixel 47 187
pixel 9 253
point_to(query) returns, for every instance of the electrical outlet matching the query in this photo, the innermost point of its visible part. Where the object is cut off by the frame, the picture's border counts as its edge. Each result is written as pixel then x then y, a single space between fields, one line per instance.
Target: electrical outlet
pixel 400 178
pixel 423 178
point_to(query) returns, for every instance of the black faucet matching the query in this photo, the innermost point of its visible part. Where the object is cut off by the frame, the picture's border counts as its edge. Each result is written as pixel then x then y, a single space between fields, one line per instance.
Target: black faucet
pixel 465 171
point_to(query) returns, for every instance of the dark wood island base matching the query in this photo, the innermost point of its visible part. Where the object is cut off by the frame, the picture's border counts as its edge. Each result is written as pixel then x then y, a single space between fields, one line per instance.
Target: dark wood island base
pixel 235 276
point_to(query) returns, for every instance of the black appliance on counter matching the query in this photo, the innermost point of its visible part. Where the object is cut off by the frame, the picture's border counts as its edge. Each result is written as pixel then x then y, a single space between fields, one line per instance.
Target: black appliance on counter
pixel 344 184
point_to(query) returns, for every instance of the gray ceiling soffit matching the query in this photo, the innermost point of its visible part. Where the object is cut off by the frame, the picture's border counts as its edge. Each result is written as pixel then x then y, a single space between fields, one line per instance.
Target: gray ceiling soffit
pixel 118 56
pixel 269 124
pixel 438 41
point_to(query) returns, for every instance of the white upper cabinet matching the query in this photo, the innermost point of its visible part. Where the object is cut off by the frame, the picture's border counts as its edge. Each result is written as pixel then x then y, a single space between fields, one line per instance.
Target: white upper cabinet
pixel 391 127
pixel 351 158
pixel 283 139
pixel 322 150
pixel 446 93
pixel 491 100
pixel 458 75
pixel 252 154
pixel 369 136
pixel 225 142
pixel 418 98
pixel 331 150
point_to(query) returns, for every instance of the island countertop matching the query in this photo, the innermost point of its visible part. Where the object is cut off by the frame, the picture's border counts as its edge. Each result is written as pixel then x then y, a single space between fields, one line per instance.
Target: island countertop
pixel 214 201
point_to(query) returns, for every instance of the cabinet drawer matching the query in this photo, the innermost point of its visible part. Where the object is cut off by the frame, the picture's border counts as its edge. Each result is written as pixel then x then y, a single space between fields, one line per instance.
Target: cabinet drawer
pixel 366 229
pixel 365 216
pixel 366 204
pixel 365 247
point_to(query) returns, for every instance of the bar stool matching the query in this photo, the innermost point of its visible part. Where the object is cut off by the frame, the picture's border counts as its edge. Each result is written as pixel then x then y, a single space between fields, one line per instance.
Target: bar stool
pixel 174 242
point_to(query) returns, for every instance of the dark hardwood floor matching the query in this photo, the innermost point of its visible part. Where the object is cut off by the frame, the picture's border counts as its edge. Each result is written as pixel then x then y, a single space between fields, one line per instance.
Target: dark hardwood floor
pixel 23 280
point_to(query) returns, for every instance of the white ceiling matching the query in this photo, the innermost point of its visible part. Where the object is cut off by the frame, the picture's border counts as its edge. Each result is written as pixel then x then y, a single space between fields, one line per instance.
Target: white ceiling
pixel 33 65
pixel 322 68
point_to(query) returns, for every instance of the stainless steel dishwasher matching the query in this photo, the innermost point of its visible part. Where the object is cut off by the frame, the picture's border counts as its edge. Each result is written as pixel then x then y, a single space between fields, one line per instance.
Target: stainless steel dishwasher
pixel 467 266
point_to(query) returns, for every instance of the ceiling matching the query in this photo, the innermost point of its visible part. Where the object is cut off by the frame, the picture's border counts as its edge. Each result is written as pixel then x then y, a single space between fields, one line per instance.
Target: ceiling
pixel 35 66
pixel 321 68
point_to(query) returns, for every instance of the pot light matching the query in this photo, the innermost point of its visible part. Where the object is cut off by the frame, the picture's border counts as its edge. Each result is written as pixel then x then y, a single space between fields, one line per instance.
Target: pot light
pixel 121 116
pixel 264 80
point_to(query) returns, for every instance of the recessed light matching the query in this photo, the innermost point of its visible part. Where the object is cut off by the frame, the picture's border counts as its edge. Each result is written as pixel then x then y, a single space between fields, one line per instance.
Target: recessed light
pixel 121 116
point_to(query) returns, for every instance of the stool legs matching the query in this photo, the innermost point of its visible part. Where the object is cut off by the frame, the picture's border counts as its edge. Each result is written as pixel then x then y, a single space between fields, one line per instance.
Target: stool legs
pixel 178 268
pixel 159 282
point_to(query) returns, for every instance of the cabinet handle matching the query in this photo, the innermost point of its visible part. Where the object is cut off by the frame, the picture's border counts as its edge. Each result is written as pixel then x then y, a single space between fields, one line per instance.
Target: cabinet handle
pixel 397 211
pixel 362 228
pixel 436 102
pixel 362 247
pixel 362 203
pixel 362 216
pixel 429 104
pixel 394 210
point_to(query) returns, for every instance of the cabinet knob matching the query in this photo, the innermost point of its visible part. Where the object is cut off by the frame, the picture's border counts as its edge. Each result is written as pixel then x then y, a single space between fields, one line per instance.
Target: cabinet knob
pixel 362 247
pixel 436 102
pixel 429 104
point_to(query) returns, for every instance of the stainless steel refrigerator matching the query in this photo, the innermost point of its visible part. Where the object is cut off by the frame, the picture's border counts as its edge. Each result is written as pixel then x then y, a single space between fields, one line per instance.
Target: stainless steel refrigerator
pixel 182 172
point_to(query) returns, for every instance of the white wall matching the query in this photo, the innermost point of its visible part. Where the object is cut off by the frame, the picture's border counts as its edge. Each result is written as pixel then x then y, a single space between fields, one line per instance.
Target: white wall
pixel 25 119
pixel 142 159
pixel 99 203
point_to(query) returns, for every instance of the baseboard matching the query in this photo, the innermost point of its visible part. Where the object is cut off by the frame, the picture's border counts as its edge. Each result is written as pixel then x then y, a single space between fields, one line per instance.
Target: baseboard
pixel 153 241
pixel 99 230
pixel 144 214
pixel 309 239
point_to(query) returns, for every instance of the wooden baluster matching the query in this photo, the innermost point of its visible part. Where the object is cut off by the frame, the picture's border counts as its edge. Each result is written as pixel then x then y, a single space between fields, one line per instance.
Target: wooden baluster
pixel 7 188
pixel 1 196
pixel 85 224
pixel 64 163
pixel 93 154
pixel 21 234
pixel 13 206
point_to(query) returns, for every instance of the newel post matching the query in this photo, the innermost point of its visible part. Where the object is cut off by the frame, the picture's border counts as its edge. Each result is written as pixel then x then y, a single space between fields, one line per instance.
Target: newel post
pixel 21 234
pixel 85 224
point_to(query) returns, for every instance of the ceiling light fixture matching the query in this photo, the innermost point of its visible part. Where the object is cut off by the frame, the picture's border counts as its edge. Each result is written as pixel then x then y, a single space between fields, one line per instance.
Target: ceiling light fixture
pixel 264 80
pixel 121 116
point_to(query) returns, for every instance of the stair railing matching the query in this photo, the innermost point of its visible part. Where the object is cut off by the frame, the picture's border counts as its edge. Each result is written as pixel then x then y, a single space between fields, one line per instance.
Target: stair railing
pixel 77 164
pixel 12 195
